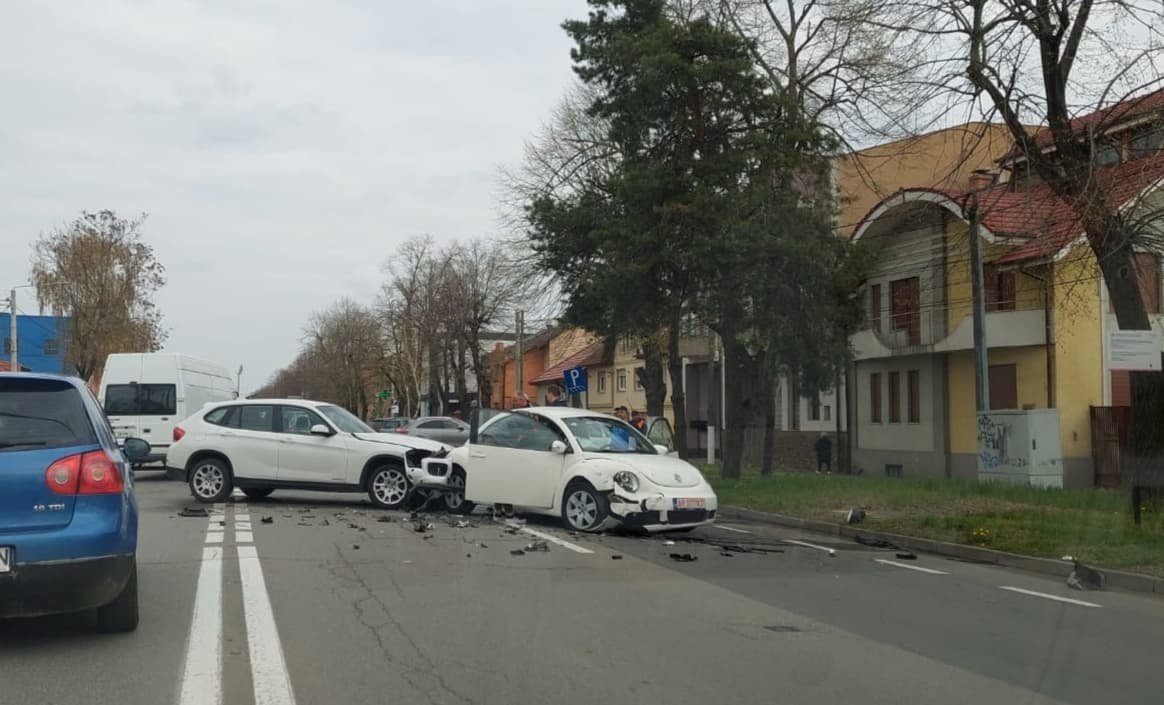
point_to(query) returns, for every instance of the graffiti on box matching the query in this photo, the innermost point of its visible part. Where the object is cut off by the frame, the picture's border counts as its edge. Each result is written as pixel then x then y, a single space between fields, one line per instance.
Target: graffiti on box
pixel 993 455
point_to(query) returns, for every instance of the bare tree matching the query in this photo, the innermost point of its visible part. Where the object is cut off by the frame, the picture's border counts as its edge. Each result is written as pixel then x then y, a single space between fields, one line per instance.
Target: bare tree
pixel 343 343
pixel 99 273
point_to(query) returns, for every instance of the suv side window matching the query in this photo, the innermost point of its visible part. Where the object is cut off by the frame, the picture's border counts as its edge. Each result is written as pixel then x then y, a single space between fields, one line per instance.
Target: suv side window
pixel 257 418
pixel 298 420
pixel 223 416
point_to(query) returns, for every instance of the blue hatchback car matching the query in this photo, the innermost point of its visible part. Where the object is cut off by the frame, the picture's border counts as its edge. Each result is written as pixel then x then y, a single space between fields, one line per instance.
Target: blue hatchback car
pixel 68 517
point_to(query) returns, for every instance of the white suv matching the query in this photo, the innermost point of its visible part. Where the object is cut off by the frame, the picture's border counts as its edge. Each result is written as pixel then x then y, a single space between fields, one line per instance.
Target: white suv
pixel 262 445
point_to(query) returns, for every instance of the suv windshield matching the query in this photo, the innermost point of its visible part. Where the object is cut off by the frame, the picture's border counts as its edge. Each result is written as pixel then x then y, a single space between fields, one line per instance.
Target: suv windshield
pixel 42 413
pixel 344 420
pixel 603 435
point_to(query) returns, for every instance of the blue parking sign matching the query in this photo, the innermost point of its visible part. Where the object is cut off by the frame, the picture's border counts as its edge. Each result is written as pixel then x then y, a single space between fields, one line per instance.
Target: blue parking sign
pixel 575 379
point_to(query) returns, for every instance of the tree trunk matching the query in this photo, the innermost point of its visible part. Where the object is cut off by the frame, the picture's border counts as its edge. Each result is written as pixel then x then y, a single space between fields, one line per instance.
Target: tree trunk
pixel 768 399
pixel 653 385
pixel 678 398
pixel 739 379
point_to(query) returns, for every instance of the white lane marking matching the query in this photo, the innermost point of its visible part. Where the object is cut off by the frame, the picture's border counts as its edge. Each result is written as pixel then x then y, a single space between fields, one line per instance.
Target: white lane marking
pixel 551 538
pixel 242 526
pixel 244 537
pixel 1068 600
pixel 242 518
pixel 730 528
pixel 272 683
pixel 826 549
pixel 214 537
pixel 907 566
pixel 202 675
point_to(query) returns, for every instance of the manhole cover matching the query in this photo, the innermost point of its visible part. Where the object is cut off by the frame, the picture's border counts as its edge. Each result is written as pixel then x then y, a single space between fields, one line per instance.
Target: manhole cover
pixel 782 628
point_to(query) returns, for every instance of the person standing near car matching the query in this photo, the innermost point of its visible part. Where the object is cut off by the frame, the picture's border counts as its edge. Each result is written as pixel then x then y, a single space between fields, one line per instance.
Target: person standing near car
pixel 824 453
pixel 639 421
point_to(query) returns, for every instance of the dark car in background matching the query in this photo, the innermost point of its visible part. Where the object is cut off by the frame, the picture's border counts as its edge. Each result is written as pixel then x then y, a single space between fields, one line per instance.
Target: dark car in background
pixel 444 429
pixel 68 517
pixel 388 425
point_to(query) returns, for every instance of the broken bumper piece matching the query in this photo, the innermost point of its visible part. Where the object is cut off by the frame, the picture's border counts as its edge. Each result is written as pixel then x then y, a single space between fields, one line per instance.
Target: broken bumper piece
pixel 663 512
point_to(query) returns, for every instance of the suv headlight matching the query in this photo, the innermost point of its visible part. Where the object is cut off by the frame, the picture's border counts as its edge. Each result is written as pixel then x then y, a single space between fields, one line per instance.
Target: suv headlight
pixel 627 480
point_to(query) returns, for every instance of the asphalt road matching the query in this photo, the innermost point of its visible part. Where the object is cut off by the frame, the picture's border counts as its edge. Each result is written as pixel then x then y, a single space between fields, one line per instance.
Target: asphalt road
pixel 328 604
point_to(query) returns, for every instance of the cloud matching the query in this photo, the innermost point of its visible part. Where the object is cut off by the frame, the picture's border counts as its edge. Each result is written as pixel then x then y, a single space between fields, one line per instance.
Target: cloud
pixel 282 148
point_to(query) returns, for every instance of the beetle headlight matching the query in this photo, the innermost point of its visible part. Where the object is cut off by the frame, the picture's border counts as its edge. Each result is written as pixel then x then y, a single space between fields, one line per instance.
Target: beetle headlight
pixel 627 480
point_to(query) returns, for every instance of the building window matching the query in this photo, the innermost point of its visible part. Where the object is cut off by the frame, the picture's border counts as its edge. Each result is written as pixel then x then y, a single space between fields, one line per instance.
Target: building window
pixel 50 347
pixel 875 397
pixel 905 295
pixel 1108 155
pixel 602 382
pixel 894 397
pixel 620 381
pixel 1146 143
pixel 827 412
pixel 640 372
pixel 999 288
pixel 1004 387
pixel 814 408
pixel 875 307
pixel 913 382
pixel 894 471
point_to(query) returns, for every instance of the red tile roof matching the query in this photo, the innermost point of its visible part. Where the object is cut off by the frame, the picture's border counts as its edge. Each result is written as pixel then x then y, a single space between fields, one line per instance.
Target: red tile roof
pixel 592 354
pixel 1109 117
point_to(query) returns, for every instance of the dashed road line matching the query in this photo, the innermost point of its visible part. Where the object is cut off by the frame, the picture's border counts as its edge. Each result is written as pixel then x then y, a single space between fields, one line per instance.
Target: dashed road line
pixel 826 549
pixel 272 683
pixel 730 528
pixel 907 566
pixel 1048 596
pixel 214 537
pixel 551 538
pixel 244 537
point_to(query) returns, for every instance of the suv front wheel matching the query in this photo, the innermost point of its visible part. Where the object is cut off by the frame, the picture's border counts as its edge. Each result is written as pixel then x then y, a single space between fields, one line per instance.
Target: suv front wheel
pixel 388 486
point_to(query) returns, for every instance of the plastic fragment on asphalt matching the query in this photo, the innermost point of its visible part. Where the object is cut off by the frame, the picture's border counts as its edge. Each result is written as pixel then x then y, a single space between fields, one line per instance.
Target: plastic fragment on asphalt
pixel 726 554
pixel 385 519
pixel 355 546
pixel 353 525
pixel 907 556
pixel 856 515
pixel 517 552
pixel 482 545
pixel 683 557
pixel 615 557
pixel 193 512
pixel 325 522
pixel 668 543
pixel 539 545
pixel 267 520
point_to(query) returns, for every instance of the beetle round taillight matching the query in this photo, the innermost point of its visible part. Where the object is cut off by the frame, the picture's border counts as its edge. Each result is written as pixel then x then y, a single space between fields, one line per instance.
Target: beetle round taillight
pixel 60 477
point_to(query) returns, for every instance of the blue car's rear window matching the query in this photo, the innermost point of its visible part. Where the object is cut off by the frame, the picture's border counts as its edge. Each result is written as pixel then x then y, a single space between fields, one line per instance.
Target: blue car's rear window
pixel 42 413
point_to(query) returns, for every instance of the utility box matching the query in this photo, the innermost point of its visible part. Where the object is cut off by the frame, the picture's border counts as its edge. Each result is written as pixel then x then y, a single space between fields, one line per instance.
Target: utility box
pixel 1020 446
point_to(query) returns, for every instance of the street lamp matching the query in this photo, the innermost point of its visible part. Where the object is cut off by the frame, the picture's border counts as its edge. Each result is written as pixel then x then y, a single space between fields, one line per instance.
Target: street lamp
pixel 14 345
pixel 238 383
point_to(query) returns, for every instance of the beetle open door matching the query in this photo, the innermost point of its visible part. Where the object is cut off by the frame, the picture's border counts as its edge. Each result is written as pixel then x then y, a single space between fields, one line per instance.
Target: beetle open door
pixel 514 458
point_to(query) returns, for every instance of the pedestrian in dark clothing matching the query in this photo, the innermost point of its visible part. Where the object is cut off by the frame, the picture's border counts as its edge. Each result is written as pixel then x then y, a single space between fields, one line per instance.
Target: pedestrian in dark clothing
pixel 554 397
pixel 639 421
pixel 824 453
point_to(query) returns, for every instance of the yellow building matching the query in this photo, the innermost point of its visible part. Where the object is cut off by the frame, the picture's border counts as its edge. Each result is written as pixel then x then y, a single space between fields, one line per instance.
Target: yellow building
pixel 1047 319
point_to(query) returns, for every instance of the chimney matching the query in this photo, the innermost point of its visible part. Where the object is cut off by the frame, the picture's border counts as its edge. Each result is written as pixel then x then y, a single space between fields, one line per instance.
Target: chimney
pixel 983 179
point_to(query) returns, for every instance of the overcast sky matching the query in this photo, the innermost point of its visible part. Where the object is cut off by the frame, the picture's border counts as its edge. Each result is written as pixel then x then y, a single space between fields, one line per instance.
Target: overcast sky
pixel 282 148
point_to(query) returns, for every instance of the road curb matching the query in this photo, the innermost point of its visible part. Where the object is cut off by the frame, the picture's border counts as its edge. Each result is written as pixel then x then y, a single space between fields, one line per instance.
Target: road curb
pixel 1120 580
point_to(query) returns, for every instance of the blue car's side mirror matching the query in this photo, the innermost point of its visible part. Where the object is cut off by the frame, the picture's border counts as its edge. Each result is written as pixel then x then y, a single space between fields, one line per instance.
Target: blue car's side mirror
pixel 135 449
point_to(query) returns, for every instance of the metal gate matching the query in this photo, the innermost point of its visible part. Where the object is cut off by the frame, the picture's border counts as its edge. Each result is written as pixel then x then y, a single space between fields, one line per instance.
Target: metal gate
pixel 1109 438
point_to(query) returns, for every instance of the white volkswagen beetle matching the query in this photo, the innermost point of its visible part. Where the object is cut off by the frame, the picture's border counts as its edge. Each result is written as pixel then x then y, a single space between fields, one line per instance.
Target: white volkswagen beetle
pixel 594 471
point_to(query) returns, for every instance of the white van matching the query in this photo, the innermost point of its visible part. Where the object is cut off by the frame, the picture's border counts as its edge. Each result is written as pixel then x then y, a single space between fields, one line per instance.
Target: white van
pixel 146 394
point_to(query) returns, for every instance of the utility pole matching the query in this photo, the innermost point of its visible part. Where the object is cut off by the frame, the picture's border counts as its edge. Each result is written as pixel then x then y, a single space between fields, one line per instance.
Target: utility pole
pixel 520 371
pixel 981 355
pixel 14 355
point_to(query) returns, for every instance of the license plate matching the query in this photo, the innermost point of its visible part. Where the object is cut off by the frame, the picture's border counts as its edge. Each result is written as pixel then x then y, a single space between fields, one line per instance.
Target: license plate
pixel 687 503
pixel 5 559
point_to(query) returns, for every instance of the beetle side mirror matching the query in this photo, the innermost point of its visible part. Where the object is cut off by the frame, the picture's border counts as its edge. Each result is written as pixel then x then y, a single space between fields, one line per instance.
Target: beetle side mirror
pixel 135 449
pixel 662 449
pixel 320 430
pixel 559 447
